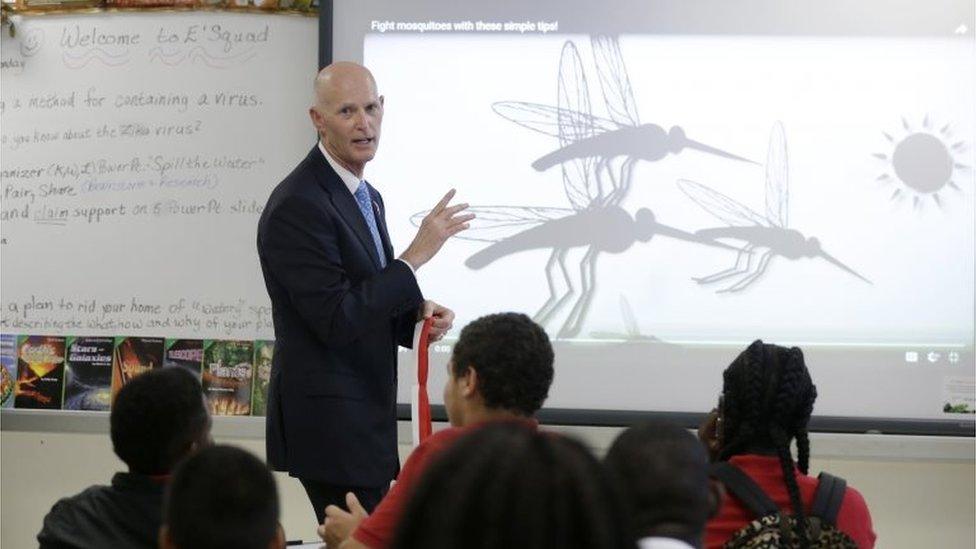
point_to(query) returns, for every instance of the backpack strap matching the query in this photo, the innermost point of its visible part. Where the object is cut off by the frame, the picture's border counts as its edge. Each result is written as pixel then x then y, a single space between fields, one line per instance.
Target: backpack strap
pixel 744 488
pixel 828 498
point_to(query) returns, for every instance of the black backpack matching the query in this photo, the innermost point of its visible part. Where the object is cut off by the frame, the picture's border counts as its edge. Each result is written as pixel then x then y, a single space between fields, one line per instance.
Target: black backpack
pixel 772 529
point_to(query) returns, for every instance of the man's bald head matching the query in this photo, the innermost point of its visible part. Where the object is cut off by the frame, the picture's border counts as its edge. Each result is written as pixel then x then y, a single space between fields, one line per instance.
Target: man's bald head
pixel 338 75
pixel 347 113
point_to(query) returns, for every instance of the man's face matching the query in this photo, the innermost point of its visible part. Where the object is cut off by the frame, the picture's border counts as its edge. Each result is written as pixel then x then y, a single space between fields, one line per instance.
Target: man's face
pixel 348 114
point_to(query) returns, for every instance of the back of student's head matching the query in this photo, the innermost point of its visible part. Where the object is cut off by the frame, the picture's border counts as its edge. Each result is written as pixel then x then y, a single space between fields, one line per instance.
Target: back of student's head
pixel 508 485
pixel 513 358
pixel 221 498
pixel 662 472
pixel 157 419
pixel 767 400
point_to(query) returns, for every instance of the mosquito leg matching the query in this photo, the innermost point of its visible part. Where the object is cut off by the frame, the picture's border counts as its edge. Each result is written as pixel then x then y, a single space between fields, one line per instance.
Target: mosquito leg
pixel 587 272
pixel 607 166
pixel 590 293
pixel 543 311
pixel 735 270
pixel 545 316
pixel 622 187
pixel 745 281
pixel 601 166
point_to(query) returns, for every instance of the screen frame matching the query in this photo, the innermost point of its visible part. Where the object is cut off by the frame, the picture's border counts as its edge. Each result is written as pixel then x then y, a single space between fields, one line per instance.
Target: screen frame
pixel 691 420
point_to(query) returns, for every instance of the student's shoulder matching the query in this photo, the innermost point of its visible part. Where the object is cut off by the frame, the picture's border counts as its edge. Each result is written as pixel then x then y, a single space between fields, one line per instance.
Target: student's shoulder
pixel 85 498
pixel 855 519
pixel 443 438
pixel 63 520
pixel 855 503
pixel 446 437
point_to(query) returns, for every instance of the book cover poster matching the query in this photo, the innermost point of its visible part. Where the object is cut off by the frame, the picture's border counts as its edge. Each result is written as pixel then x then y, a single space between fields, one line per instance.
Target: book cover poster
pixel 88 373
pixel 8 373
pixel 40 372
pixel 227 374
pixel 263 353
pixel 134 356
pixel 184 353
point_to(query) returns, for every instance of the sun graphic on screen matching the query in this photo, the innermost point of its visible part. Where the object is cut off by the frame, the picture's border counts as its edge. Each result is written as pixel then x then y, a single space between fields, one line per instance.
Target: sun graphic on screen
pixel 923 161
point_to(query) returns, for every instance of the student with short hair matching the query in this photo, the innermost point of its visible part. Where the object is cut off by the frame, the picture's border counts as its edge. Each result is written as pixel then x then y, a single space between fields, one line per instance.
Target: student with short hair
pixel 221 498
pixel 662 472
pixel 506 485
pixel 500 370
pixel 157 419
pixel 766 403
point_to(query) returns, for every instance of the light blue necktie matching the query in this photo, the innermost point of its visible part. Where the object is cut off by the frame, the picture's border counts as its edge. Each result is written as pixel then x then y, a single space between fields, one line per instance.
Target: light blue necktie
pixel 366 207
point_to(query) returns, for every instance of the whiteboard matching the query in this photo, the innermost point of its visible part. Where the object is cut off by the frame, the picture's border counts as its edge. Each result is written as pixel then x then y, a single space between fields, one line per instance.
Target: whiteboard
pixel 138 152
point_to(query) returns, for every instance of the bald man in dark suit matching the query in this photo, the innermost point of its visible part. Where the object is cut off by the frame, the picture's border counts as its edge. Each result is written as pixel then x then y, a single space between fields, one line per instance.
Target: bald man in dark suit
pixel 341 301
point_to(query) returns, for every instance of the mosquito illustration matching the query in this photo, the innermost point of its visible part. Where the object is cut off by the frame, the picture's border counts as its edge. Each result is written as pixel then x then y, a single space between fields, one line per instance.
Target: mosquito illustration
pixel 600 228
pixel 593 137
pixel 596 221
pixel 770 232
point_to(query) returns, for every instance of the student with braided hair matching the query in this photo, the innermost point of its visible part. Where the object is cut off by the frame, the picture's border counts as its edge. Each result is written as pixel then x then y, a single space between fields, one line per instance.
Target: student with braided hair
pixel 766 402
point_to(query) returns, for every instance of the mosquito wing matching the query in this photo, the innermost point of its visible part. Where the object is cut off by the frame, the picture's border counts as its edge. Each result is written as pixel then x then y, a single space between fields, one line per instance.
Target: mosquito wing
pixel 724 208
pixel 777 179
pixel 545 119
pixel 573 95
pixel 614 81
pixel 494 223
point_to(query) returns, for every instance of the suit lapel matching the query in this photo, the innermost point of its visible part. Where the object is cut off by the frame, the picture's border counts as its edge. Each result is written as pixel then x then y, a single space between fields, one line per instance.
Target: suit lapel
pixel 381 223
pixel 344 202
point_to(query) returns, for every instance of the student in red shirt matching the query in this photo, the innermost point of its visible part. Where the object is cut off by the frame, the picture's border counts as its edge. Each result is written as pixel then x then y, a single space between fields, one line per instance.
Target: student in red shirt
pixel 506 486
pixel 766 403
pixel 500 370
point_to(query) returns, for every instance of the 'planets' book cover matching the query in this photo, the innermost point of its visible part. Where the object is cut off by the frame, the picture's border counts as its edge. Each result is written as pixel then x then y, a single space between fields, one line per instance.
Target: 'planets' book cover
pixel 227 374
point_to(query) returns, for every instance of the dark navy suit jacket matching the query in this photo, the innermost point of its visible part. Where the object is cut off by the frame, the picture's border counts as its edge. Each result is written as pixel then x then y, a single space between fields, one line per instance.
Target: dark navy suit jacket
pixel 338 319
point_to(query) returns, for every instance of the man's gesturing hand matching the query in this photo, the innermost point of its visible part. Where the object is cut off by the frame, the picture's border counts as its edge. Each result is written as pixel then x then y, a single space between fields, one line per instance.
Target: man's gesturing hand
pixel 440 224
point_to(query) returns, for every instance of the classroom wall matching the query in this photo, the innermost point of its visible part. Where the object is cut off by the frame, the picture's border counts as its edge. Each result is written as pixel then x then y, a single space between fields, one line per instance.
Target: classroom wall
pixel 920 489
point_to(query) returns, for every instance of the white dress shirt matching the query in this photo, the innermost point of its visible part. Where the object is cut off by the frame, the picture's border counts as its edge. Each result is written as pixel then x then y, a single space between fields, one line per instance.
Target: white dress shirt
pixel 352 182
